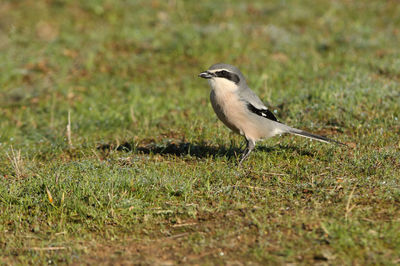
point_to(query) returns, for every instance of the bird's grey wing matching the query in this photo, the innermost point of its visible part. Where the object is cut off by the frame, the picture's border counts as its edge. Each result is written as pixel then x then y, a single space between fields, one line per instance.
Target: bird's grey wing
pixel 248 95
pixel 255 105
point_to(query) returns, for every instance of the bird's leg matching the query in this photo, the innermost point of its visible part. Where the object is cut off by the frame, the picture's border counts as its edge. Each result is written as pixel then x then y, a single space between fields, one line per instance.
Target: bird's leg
pixel 250 146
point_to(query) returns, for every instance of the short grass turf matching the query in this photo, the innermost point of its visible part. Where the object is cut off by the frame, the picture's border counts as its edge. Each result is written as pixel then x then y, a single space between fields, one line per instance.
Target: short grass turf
pixel 110 152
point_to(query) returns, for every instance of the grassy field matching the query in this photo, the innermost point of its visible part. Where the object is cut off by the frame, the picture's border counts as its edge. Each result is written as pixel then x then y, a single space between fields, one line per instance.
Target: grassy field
pixel 110 152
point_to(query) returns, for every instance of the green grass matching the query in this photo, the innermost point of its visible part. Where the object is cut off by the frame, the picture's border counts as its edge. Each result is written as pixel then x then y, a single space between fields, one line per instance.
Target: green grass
pixel 150 174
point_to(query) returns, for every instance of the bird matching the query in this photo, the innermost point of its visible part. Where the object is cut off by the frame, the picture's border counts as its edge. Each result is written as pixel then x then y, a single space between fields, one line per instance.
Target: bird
pixel 242 111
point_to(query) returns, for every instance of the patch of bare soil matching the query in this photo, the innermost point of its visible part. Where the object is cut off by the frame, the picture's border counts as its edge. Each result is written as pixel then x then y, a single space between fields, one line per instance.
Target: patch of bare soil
pixel 212 238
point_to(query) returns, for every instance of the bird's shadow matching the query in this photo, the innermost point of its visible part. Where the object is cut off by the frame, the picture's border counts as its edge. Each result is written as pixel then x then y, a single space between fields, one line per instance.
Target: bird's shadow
pixel 198 150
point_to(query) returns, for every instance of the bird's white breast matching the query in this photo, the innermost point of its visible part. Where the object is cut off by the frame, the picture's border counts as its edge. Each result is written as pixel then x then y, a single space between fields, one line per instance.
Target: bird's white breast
pixel 226 103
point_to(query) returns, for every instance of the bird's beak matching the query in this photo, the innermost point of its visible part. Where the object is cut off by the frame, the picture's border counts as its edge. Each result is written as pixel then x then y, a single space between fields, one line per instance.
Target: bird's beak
pixel 205 75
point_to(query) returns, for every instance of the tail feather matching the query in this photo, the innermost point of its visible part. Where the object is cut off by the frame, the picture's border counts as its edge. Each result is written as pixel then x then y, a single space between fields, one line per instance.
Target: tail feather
pixel 302 133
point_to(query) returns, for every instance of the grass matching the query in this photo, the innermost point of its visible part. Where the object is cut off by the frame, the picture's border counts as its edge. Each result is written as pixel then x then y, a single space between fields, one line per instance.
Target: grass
pixel 110 151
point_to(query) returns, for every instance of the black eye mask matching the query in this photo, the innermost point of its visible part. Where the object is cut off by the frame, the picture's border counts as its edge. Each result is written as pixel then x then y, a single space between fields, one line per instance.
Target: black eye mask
pixel 227 75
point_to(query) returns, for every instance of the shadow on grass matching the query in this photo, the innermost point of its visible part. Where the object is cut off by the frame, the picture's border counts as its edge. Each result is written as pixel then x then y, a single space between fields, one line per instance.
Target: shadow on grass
pixel 177 149
pixel 197 150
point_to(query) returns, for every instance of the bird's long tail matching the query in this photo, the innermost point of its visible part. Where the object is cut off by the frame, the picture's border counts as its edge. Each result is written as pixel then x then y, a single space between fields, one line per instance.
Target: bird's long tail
pixel 302 133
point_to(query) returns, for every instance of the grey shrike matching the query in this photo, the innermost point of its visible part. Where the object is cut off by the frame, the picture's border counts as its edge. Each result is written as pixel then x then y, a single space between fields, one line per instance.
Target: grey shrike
pixel 240 109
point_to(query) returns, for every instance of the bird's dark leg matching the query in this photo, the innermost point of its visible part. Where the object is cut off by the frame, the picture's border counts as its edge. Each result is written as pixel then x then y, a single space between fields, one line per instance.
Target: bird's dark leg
pixel 250 146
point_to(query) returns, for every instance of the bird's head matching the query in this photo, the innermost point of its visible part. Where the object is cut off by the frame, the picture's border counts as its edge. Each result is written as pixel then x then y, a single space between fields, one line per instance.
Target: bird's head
pixel 223 75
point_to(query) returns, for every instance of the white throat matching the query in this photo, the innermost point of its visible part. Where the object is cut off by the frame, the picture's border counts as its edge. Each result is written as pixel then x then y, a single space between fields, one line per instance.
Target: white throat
pixel 222 85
